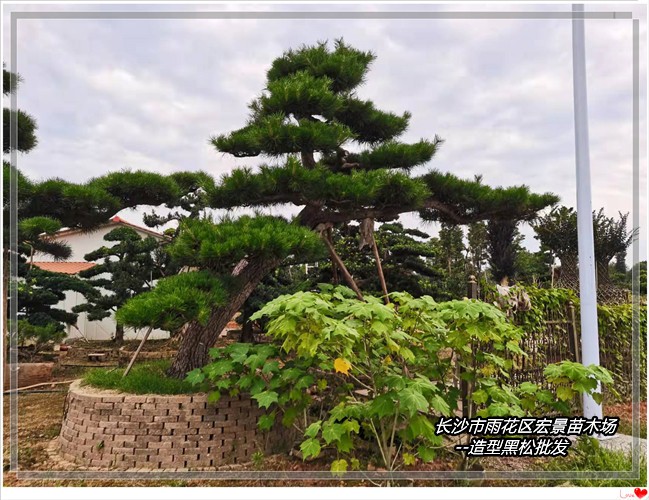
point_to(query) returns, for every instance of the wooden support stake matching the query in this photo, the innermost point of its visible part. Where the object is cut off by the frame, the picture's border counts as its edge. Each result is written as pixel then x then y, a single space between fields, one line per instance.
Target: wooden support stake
pixel 379 268
pixel 341 265
pixel 139 348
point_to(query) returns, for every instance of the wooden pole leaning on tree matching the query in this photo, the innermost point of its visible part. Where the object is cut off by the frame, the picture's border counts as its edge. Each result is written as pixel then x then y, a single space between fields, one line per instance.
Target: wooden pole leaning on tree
pixel 139 348
pixel 367 238
pixel 324 234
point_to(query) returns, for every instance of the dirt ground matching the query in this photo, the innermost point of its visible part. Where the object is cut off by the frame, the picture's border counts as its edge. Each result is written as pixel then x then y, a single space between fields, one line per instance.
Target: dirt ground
pixel 39 421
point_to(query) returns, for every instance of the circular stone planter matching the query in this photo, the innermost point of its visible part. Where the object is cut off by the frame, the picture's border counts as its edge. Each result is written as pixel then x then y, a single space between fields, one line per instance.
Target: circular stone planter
pixel 110 429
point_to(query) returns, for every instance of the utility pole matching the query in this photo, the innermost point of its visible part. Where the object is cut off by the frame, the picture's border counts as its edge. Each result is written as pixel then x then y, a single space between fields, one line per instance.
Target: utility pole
pixel 587 283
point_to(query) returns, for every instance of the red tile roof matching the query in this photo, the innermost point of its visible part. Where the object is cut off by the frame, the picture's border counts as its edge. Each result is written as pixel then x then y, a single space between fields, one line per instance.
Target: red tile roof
pixel 64 267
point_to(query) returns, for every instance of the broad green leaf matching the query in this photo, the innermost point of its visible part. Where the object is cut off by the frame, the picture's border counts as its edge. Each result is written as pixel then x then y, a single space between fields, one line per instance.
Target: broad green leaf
pixel 351 426
pixel 412 401
pixel 438 403
pixel 258 385
pixel 426 454
pixel 565 393
pixel 382 406
pixel 270 367
pixel 313 429
pixel 408 459
pixel 265 422
pixel 528 388
pixel 195 377
pixel 421 426
pixel 266 398
pixel 213 397
pixel 339 466
pixel 238 351
pixel 219 368
pixel 480 396
pixel 310 448
pixel 344 444
pixel 290 414
pixel 332 432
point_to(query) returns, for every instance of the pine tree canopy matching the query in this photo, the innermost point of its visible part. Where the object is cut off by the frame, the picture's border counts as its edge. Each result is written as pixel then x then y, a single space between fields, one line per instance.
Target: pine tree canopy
pixel 87 205
pixel 202 243
pixel 127 268
pixel 26 124
pixel 333 154
pixel 216 249
pixel 308 113
pixel 175 301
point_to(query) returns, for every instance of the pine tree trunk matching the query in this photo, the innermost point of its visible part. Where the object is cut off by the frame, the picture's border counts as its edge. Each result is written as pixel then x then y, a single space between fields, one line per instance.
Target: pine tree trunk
pixel 247 334
pixel 198 339
pixel 119 333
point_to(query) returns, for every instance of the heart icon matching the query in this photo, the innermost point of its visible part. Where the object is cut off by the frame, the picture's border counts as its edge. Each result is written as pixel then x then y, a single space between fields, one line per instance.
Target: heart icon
pixel 640 492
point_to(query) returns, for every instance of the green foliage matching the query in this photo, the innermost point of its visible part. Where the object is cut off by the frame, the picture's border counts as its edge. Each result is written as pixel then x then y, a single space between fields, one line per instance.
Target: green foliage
pixel 477 247
pixel 405 258
pixel 174 301
pixel 39 335
pixel 472 200
pixel 40 320
pixel 504 245
pixel 346 372
pixel 127 269
pixel 144 378
pixel 203 243
pixel 615 331
pixel 216 249
pixel 558 232
pixel 451 258
pixel 589 456
pixel 26 124
pixel 309 110
pixel 294 183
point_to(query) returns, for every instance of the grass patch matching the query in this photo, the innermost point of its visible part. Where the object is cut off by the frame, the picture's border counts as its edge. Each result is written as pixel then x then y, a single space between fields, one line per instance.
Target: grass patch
pixel 588 455
pixel 144 378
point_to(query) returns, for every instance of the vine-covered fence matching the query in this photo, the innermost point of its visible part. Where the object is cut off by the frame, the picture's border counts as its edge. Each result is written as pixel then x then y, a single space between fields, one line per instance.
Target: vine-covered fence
pixel 551 321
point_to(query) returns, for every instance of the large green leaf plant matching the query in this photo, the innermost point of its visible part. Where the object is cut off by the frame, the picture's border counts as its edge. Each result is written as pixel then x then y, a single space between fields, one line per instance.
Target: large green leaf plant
pixel 367 381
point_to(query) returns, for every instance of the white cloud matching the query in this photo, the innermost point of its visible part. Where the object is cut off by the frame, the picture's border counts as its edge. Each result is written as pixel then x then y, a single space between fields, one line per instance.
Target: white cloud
pixel 149 94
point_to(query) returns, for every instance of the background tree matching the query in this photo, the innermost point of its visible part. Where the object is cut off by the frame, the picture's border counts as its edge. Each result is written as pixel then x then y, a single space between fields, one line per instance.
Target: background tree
pixel 641 269
pixel 127 268
pixel 612 237
pixel 451 245
pixel 26 133
pixel 558 232
pixel 534 268
pixel 477 247
pixel 404 253
pixel 306 116
pixel 504 247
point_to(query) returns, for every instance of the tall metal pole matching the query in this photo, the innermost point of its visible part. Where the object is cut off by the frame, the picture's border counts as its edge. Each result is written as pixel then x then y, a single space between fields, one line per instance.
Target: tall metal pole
pixel 587 266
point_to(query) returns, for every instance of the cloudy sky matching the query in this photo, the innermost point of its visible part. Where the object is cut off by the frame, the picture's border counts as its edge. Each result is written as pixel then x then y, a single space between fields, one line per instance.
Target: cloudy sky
pixel 148 94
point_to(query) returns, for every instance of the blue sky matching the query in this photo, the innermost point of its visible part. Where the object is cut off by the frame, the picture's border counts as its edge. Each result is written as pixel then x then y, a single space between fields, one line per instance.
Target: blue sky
pixel 148 95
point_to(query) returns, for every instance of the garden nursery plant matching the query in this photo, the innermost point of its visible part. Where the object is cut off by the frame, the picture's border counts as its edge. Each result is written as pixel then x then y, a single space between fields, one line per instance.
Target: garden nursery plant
pixel 365 382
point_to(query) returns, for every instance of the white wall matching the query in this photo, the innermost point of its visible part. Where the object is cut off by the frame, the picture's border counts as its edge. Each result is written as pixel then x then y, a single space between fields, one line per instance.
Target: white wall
pixel 81 244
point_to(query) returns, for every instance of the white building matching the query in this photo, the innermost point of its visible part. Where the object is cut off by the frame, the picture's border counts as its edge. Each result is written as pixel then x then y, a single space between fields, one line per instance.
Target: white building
pixel 82 243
